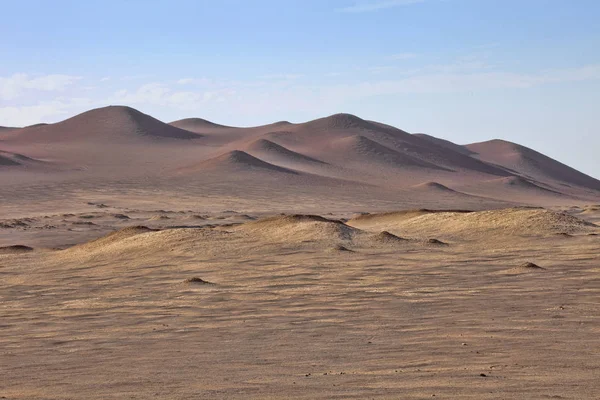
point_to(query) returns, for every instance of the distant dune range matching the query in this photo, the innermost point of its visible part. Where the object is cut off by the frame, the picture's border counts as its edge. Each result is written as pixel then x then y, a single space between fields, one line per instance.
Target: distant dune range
pixel 341 158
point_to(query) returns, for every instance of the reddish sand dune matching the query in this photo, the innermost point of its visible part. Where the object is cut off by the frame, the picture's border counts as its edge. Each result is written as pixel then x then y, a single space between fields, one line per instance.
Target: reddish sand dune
pixel 236 160
pixel 446 195
pixel 519 189
pixel 431 153
pixel 530 163
pixel 338 121
pixel 279 154
pixel 518 182
pixel 8 159
pixel 197 125
pixel 118 146
pixel 362 149
pixel 434 186
pixel 115 123
pixel 445 143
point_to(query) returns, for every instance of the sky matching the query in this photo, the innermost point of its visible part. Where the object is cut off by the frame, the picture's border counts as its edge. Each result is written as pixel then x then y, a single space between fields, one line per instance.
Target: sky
pixel 527 71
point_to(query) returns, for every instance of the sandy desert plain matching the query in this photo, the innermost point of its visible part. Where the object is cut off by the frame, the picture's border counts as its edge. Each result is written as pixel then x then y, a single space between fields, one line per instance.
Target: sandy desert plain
pixel 333 259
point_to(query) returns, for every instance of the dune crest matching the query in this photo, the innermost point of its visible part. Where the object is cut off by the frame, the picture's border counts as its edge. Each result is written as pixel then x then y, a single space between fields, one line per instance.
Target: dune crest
pixel 197 125
pixel 15 159
pixel 236 160
pixel 276 151
pixel 299 228
pixel 117 123
pixel 530 163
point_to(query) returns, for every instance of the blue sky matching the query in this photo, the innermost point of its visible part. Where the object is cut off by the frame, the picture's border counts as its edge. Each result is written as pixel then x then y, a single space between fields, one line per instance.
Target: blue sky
pixel 465 70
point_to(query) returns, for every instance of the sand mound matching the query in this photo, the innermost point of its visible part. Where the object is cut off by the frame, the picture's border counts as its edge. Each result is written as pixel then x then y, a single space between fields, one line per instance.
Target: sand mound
pixel 240 217
pixel 511 221
pixel 394 216
pixel 525 268
pixel 272 150
pixel 158 218
pixel 564 234
pixel 111 238
pixel 141 242
pixel 339 248
pixel 197 281
pixel 435 242
pixel 195 217
pixel 434 186
pixel 386 237
pixel 15 249
pixel 298 228
pixel 113 123
pixel 237 161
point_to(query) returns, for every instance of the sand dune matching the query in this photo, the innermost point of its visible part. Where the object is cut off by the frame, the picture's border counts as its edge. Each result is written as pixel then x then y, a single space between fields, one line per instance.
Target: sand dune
pixel 434 186
pixel 360 148
pixel 9 159
pixel 337 122
pixel 236 160
pixel 299 228
pixel 116 123
pixel 520 183
pixel 197 125
pixel 272 151
pixel 505 222
pixel 524 268
pixel 118 147
pixel 112 238
pixel 530 163
pixel 15 249
pixel 445 143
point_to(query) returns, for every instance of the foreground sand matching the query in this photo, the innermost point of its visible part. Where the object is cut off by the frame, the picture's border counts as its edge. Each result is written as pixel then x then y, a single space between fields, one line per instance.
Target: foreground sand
pixel 301 306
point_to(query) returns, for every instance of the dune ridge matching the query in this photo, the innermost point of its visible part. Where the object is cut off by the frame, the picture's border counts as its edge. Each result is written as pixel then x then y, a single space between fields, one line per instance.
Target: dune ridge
pixel 530 163
pixel 334 158
pixel 101 124
pixel 236 160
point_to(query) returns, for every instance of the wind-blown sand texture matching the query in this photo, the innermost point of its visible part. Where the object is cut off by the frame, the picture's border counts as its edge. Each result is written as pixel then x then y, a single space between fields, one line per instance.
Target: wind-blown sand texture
pixel 411 304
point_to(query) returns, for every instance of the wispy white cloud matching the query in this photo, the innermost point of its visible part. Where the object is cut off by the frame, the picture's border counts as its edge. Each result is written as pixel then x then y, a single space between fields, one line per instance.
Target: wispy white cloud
pixel 403 56
pixel 268 98
pixel 195 81
pixel 160 94
pixel 376 5
pixel 379 69
pixel 47 111
pixel 246 100
pixel 105 79
pixel 455 82
pixel 13 86
pixel 283 77
pixel 136 77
